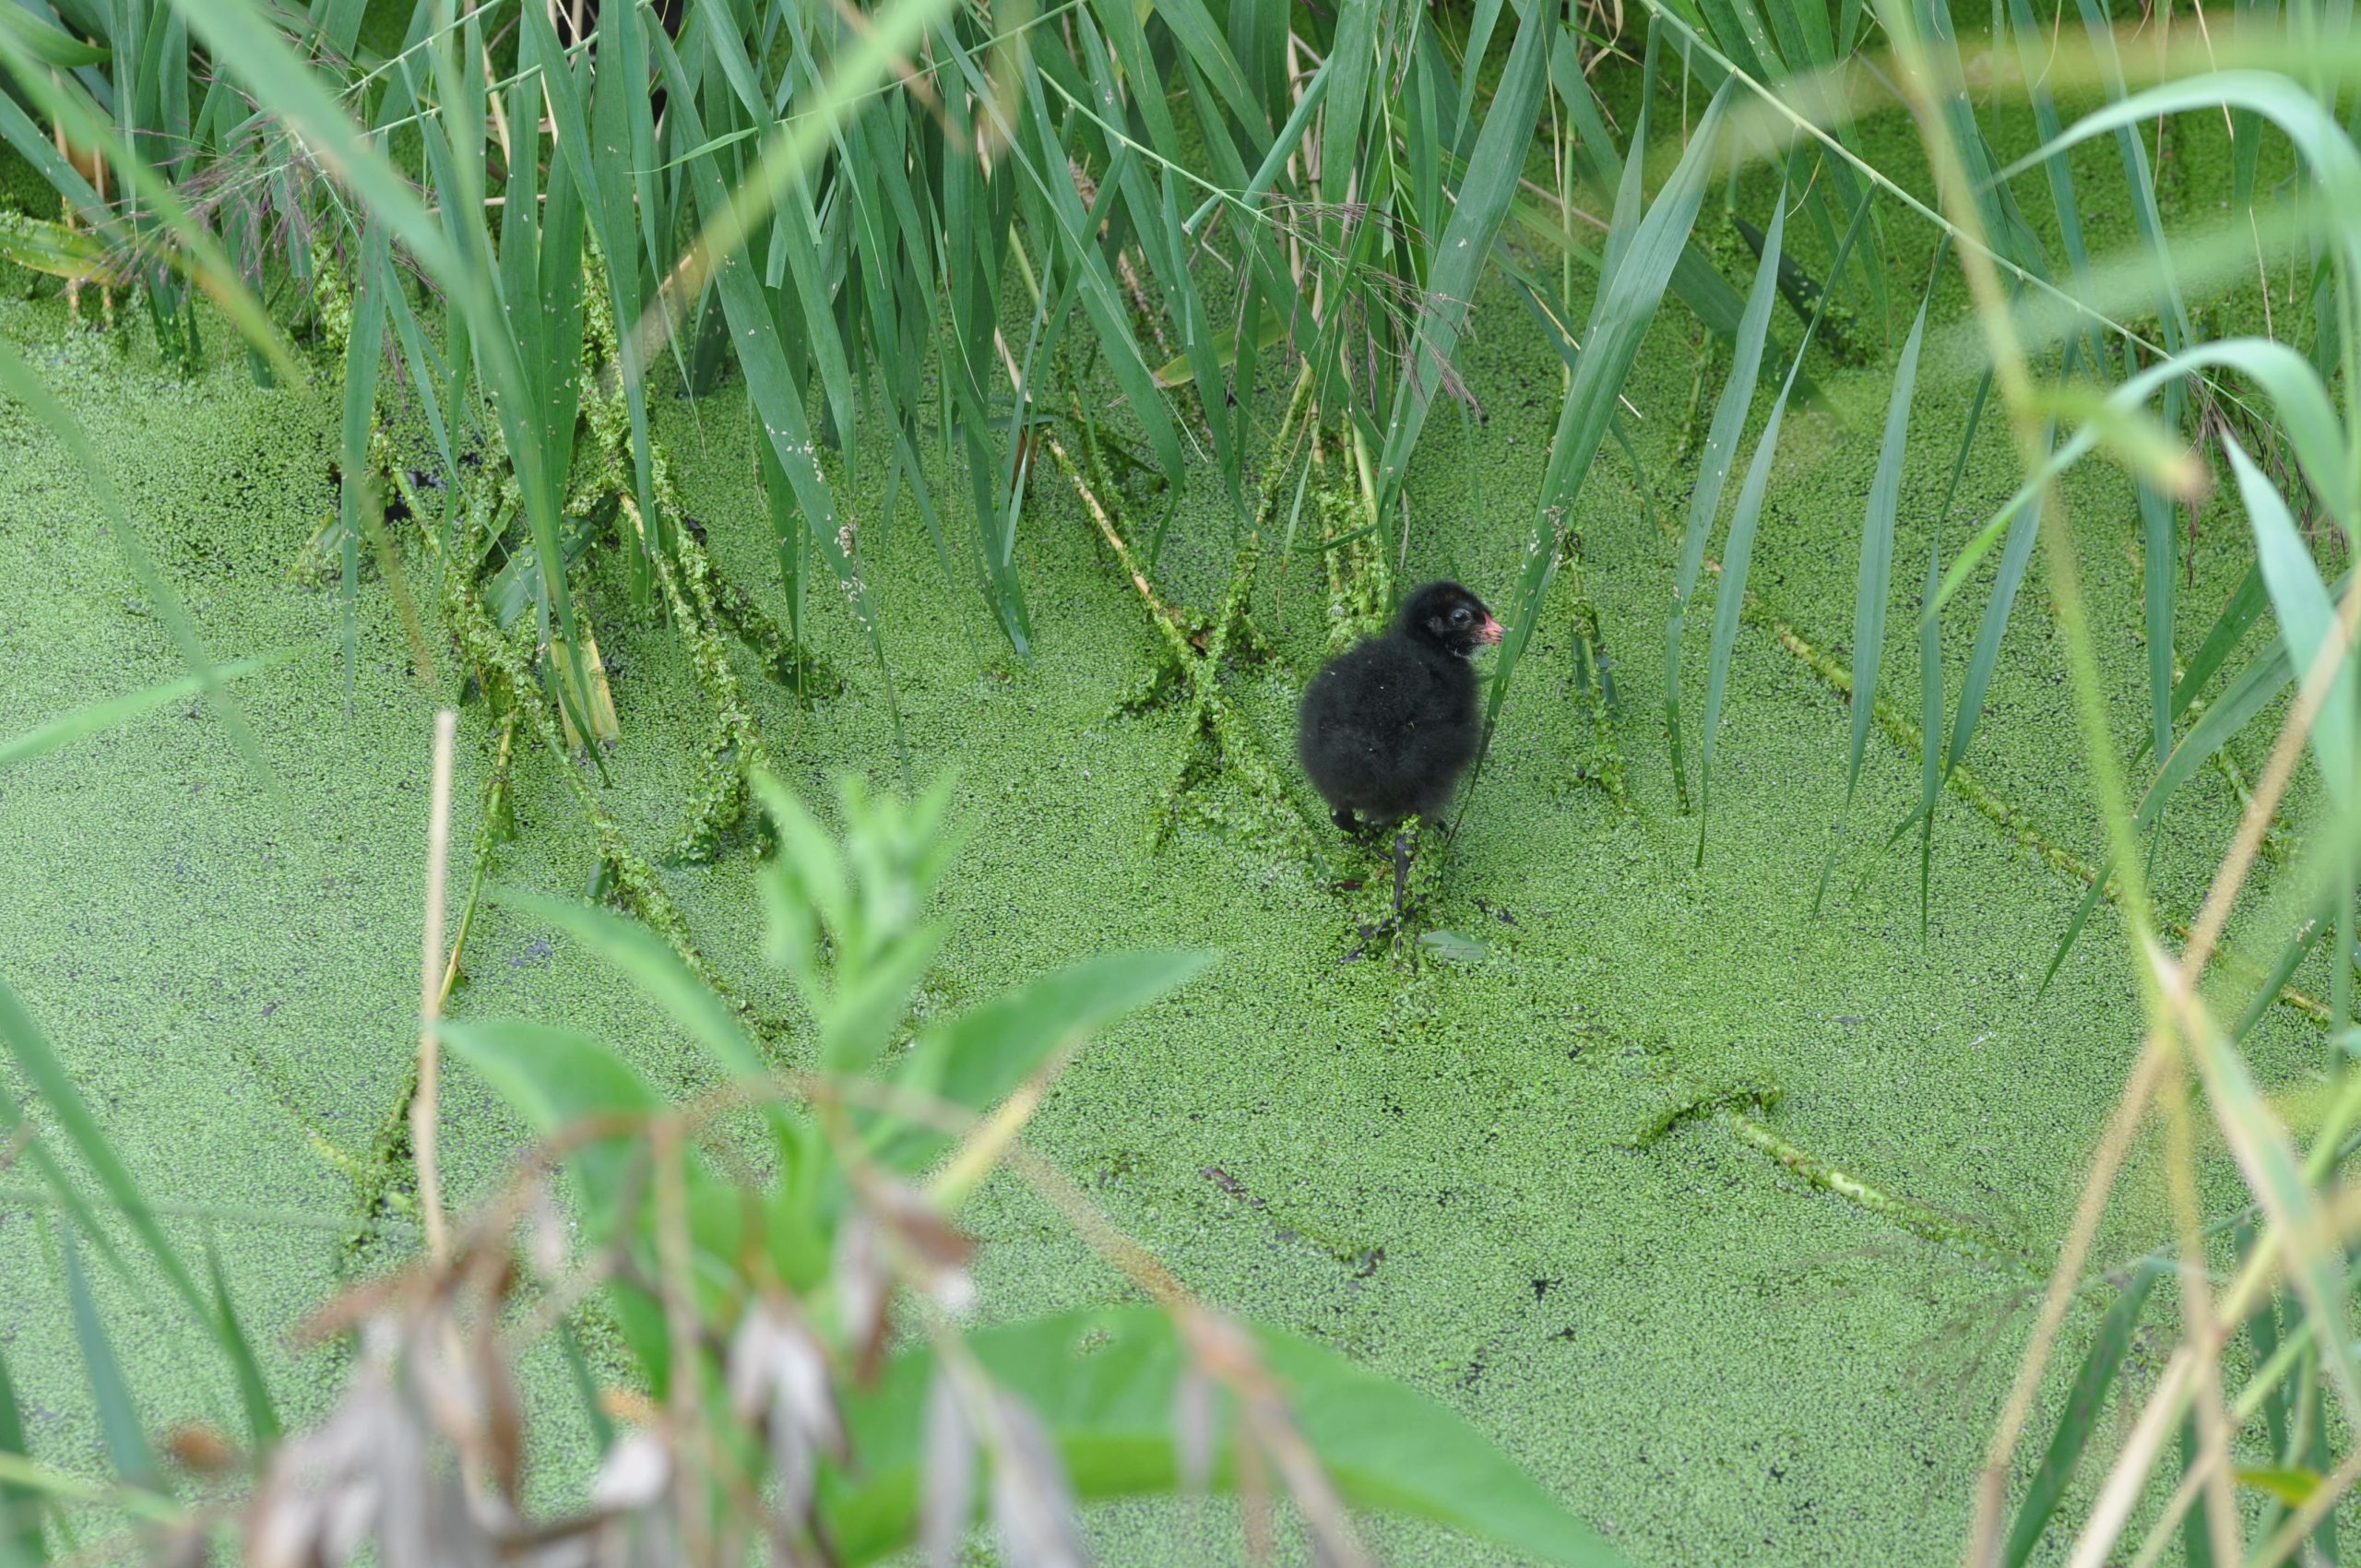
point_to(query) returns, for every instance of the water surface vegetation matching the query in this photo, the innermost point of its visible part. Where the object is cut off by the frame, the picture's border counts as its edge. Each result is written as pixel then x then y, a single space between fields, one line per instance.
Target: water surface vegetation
pixel 1709 1163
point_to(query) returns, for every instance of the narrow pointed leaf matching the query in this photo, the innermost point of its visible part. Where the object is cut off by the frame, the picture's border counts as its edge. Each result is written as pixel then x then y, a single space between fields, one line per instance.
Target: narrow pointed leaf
pixel 1714 465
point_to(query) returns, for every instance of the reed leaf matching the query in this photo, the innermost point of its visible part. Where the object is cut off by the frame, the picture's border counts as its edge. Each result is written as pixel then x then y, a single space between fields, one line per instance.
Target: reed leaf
pixel 2085 1403
pixel 1638 266
pixel 22 1539
pixel 1873 585
pixel 128 1452
pixel 364 350
pixel 1713 467
pixel 97 717
pixel 1465 248
pixel 2306 618
pixel 1737 552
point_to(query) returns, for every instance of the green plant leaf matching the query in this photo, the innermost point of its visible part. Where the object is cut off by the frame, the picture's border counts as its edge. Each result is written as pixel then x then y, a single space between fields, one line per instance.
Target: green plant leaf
pixel 90 720
pixel 127 1445
pixel 2291 1485
pixel 1874 584
pixel 1714 468
pixel 555 1077
pixel 254 1389
pixel 21 1537
pixel 1465 247
pixel 654 969
pixel 2266 1158
pixel 1637 270
pixel 51 46
pixel 978 1058
pixel 1737 552
pixel 30 1050
pixel 2307 617
pixel 558 1078
pixel 53 249
pixel 2085 1403
pixel 1104 1382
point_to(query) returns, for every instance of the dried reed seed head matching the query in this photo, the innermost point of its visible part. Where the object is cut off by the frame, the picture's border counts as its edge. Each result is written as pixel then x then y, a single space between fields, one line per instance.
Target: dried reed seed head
pixel 637 1472
pixel 947 1498
pixel 1032 1505
pixel 778 1378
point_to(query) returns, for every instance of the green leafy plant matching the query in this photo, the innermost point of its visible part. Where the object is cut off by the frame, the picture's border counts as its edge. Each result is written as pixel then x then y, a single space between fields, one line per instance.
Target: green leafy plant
pixel 780 1260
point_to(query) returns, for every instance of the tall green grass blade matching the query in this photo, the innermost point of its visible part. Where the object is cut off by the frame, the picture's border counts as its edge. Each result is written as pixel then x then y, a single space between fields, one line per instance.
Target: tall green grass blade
pixel 2246 126
pixel 1695 279
pixel 2253 690
pixel 35 1058
pixel 2085 1403
pixel 1984 658
pixel 586 1387
pixel 17 381
pixel 776 394
pixel 1486 17
pixel 2140 181
pixel 126 1443
pixel 2158 561
pixel 2196 1526
pixel 1208 53
pixel 426 369
pixel 49 45
pixel 2267 1161
pixel 1874 583
pixel 600 186
pixel 1637 270
pixel 2306 618
pixel 97 717
pixel 1343 130
pixel 2323 1542
pixel 1730 602
pixel 363 352
pixel 254 1389
pixel 22 1541
pixel 2032 50
pixel 2240 612
pixel 1714 468
pixel 1930 712
pixel 1737 550
pixel 722 35
pixel 2262 1335
pixel 1465 246
pixel 2155 510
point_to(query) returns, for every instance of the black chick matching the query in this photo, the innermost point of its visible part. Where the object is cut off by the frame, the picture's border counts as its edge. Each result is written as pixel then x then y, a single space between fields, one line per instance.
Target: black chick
pixel 1388 725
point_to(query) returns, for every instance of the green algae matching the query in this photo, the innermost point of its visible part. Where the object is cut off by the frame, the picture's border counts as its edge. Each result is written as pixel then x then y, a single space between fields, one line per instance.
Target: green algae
pixel 1701 1350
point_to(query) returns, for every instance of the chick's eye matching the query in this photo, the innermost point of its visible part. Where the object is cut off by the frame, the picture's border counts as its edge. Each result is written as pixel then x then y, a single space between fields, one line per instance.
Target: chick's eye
pixel 1459 616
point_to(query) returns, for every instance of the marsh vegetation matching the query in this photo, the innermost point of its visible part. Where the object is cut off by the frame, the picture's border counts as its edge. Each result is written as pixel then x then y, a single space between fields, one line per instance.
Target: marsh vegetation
pixel 796 534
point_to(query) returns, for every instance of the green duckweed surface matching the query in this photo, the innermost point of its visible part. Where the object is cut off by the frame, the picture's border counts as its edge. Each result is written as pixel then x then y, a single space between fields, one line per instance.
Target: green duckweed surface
pixel 1430 1167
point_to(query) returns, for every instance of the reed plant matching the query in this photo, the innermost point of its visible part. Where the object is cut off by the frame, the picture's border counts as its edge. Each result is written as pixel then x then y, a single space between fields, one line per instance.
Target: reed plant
pixel 932 225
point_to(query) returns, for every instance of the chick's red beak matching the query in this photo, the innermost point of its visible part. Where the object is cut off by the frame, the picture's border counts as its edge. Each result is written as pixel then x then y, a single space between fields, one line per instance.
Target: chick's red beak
pixel 1490 630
